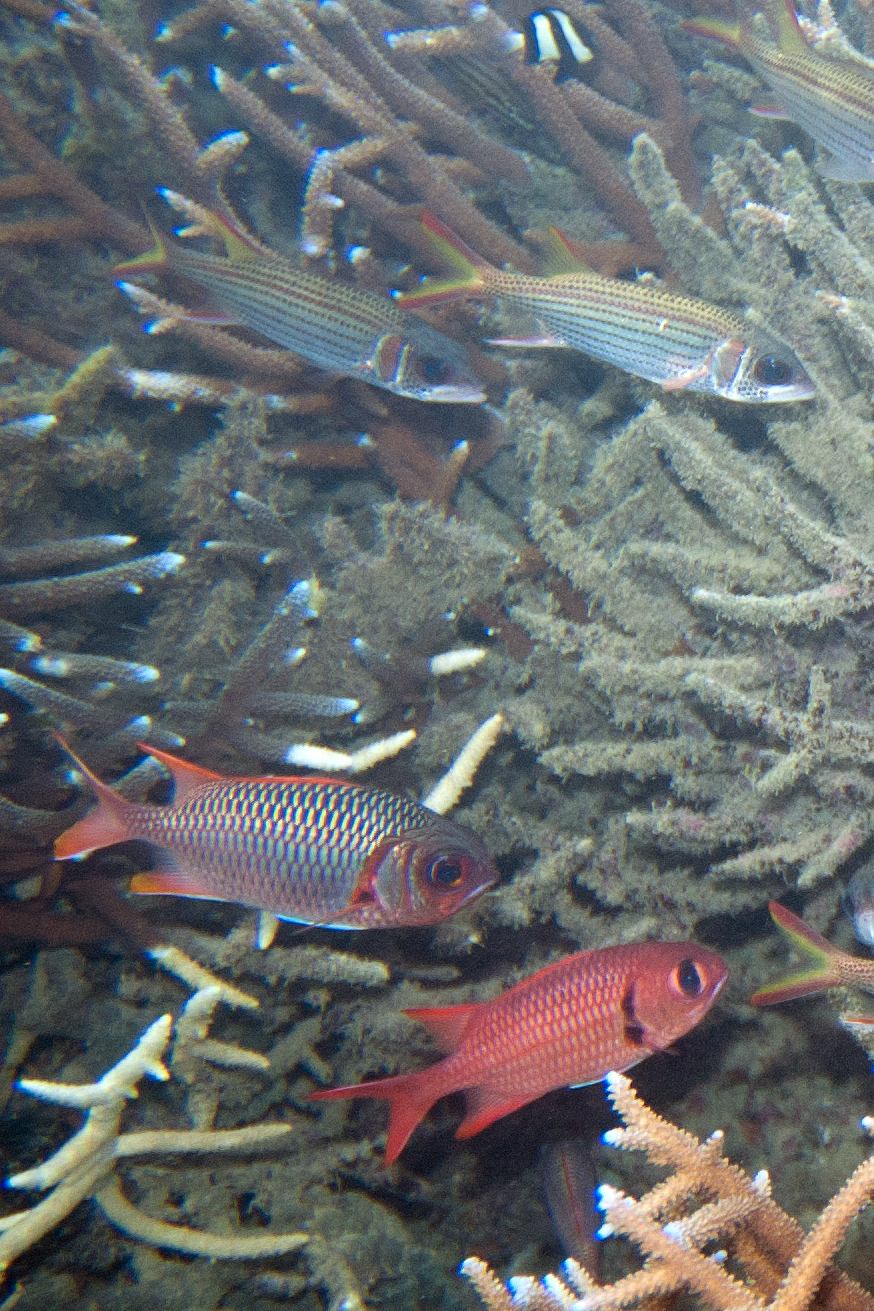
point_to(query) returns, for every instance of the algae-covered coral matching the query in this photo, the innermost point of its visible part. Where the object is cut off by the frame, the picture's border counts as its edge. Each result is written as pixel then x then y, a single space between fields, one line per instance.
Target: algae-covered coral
pixel 673 596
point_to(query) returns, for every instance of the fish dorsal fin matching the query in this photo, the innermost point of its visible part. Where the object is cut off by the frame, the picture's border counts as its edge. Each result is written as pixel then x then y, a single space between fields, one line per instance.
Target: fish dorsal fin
pixel 485 1105
pixel 446 1024
pixel 238 245
pixel 186 777
pixel 790 37
pixel 561 255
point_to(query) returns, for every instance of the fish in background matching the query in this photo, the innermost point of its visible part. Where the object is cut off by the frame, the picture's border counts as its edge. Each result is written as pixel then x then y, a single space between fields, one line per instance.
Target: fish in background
pixel 314 850
pixel 828 966
pixel 675 341
pixel 859 899
pixel 338 327
pixel 832 99
pixel 568 1025
pixel 568 1173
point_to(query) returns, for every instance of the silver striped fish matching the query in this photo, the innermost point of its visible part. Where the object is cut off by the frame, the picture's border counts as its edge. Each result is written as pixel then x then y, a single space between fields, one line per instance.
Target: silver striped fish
pixel 672 340
pixel 335 326
pixel 832 99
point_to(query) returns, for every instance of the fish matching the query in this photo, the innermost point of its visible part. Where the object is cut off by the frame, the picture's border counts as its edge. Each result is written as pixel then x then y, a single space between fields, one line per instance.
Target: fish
pixel 831 99
pixel 567 1170
pixel 338 327
pixel 829 966
pixel 567 1025
pixel 860 902
pixel 672 340
pixel 312 849
pixel 552 38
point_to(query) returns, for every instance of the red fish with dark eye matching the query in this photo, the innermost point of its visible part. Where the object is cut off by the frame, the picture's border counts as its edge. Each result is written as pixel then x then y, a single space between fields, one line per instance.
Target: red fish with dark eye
pixel 569 1024
pixel 315 850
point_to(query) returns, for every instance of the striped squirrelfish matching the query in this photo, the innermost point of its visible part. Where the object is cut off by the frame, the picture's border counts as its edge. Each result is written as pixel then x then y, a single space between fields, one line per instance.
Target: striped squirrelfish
pixel 672 340
pixel 568 1025
pixel 832 99
pixel 335 326
pixel 316 850
pixel 828 966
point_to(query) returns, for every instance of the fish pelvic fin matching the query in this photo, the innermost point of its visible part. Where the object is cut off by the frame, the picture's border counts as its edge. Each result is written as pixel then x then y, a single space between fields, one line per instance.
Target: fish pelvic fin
pixel 473 273
pixel 411 1097
pixel 718 29
pixel 103 826
pixel 446 1024
pixel 485 1105
pixel 822 973
pixel 186 777
pixel 151 261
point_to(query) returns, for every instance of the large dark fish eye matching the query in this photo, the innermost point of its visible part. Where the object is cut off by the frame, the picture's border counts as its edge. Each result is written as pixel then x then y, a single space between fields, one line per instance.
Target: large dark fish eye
pixel 446 872
pixel 687 978
pixel 772 372
pixel 431 368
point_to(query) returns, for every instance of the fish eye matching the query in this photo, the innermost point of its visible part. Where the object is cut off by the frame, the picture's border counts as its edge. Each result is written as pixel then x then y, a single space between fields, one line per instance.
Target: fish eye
pixel 431 368
pixel 687 979
pixel 772 372
pixel 446 872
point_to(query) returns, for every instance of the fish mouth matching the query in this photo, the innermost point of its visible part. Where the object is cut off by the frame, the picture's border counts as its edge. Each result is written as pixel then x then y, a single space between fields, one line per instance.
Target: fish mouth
pixel 793 391
pixel 471 394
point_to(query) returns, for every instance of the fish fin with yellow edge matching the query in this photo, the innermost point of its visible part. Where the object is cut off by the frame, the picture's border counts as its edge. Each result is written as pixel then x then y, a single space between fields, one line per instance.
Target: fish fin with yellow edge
pixel 717 29
pixel 560 254
pixel 103 826
pixel 151 261
pixel 473 272
pixel 823 971
pixel 790 37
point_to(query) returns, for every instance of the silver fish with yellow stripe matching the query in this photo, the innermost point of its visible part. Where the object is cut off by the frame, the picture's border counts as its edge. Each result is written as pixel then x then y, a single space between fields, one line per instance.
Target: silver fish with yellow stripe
pixel 675 341
pixel 832 99
pixel 335 326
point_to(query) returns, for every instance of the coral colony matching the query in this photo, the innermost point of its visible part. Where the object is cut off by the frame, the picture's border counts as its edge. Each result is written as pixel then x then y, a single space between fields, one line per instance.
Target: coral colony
pixel 494 527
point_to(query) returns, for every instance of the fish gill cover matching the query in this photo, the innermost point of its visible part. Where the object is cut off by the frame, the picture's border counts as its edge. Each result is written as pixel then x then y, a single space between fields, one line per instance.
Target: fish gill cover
pixel 667 599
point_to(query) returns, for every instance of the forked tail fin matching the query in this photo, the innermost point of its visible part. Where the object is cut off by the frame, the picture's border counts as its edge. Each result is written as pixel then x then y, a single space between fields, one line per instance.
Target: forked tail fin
pixel 823 972
pixel 102 826
pixel 473 272
pixel 411 1097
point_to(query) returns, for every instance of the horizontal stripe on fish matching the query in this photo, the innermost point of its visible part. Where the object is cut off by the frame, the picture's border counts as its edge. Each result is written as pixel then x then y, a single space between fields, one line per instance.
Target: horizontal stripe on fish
pixel 333 325
pixel 567 1025
pixel 832 99
pixel 675 341
pixel 314 850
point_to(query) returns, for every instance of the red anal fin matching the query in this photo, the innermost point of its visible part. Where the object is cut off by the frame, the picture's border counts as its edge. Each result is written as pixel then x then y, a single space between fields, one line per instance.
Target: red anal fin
pixel 171 883
pixel 485 1105
pixel 186 777
pixel 446 1024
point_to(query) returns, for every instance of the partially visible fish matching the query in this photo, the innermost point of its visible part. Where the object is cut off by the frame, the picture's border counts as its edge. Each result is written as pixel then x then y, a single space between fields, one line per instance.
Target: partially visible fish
pixel 832 99
pixel 860 899
pixel 829 967
pixel 568 1173
pixel 315 850
pixel 552 38
pixel 328 322
pixel 675 341
pixel 569 1024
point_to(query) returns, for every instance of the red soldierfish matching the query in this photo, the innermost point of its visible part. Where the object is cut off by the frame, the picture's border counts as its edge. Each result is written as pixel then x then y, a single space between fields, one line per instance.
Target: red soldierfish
pixel 316 850
pixel 829 967
pixel 567 1025
pixel 675 341
pixel 832 99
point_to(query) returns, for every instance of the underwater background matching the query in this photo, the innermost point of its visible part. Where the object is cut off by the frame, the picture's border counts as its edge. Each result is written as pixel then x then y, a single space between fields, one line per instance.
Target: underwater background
pixel 673 594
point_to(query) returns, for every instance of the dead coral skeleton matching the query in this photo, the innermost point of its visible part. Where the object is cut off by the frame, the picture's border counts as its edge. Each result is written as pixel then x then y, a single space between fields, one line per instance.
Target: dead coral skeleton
pixel 764 1260
pixel 86 1165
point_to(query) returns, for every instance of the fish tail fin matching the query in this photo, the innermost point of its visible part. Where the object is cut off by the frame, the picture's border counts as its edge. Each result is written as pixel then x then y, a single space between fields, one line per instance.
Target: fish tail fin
pixel 822 973
pixel 151 261
pixel 790 37
pixel 718 29
pixel 472 271
pixel 411 1097
pixel 102 826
